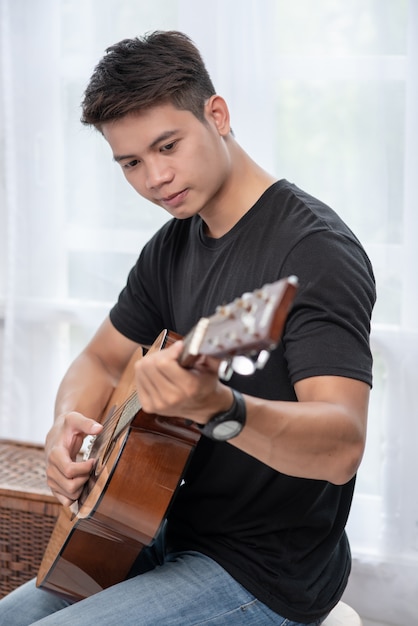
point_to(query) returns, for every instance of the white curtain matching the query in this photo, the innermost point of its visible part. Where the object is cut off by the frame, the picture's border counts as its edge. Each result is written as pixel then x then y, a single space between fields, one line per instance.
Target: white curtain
pixel 324 94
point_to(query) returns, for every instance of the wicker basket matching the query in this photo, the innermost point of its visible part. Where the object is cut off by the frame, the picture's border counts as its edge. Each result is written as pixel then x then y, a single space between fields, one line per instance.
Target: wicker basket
pixel 28 512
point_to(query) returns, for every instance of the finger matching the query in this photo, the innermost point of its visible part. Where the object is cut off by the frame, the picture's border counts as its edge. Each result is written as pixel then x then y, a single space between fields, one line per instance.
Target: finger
pixel 153 374
pixel 67 480
pixel 77 424
pixel 68 433
pixel 64 501
pixel 176 349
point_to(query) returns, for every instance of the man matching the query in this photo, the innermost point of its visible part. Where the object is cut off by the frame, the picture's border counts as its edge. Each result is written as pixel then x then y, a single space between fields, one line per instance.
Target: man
pixel 256 532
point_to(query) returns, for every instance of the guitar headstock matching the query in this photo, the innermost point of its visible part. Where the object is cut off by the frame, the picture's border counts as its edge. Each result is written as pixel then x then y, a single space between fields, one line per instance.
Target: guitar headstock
pixel 249 326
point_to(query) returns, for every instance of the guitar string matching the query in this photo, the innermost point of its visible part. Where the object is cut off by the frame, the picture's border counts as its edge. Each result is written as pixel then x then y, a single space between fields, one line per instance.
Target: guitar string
pixel 111 421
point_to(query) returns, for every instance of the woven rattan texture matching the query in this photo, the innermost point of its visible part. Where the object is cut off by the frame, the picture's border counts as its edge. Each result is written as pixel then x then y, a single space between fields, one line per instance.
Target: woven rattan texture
pixel 22 467
pixel 28 513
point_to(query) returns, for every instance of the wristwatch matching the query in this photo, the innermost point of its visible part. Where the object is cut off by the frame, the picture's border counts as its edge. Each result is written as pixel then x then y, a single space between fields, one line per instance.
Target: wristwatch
pixel 228 424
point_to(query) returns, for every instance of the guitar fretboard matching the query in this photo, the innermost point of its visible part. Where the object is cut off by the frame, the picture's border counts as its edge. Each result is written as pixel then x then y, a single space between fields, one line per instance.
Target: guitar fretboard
pixel 130 409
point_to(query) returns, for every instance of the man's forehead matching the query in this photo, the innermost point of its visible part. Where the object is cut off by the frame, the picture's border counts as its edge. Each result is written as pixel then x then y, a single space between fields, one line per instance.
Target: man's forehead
pixel 147 128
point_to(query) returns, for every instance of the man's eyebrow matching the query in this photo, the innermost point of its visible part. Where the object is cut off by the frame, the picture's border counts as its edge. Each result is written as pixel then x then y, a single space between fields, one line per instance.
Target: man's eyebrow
pixel 121 157
pixel 163 137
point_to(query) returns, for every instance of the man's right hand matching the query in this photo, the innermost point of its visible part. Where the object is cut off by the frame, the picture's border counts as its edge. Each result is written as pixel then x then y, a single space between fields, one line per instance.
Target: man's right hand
pixel 65 475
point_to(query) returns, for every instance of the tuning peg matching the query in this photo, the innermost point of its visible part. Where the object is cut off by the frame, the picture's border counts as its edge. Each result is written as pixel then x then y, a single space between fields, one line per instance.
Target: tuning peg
pixel 262 359
pixel 225 369
pixel 243 365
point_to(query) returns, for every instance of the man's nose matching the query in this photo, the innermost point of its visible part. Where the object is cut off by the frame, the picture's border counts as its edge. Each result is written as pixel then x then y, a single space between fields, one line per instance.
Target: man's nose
pixel 157 173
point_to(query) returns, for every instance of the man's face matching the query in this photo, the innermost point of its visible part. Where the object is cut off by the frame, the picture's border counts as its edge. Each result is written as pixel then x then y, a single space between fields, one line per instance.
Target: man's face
pixel 172 158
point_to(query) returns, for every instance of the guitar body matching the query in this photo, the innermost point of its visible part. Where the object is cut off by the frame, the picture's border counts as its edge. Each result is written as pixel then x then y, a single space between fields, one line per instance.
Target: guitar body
pixel 140 459
pixel 125 501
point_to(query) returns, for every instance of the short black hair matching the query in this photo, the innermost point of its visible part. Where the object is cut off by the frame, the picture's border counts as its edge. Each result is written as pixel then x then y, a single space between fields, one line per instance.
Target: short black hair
pixel 139 73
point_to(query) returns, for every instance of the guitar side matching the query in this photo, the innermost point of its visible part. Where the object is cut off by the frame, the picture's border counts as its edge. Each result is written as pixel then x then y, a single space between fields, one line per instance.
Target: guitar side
pixel 127 503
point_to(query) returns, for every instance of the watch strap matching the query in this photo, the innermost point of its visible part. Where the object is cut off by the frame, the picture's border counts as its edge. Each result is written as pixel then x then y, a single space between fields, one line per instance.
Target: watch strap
pixel 236 413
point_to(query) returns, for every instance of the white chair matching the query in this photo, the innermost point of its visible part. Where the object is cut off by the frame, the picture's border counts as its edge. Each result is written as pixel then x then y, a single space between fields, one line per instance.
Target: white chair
pixel 343 615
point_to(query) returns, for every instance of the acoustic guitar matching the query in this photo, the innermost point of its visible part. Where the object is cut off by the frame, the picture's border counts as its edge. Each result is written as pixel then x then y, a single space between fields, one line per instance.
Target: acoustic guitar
pixel 141 458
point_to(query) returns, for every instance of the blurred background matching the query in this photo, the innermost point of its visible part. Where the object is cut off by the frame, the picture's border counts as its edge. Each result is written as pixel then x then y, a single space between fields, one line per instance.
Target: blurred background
pixel 322 93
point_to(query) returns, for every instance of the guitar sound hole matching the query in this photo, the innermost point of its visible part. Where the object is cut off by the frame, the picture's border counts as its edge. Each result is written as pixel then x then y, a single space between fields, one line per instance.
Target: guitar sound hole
pixel 103 456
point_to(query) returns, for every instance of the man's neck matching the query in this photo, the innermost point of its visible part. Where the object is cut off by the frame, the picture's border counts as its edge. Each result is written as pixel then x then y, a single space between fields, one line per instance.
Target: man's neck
pixel 245 185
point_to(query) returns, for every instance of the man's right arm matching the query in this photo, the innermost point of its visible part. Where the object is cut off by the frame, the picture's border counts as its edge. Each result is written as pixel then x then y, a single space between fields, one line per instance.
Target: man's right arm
pixel 81 399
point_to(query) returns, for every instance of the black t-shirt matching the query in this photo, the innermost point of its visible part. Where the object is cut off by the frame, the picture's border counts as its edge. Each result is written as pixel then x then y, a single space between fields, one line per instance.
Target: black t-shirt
pixel 281 537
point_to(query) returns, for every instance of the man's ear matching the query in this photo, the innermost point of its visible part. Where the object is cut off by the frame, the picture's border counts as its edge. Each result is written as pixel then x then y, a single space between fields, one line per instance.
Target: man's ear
pixel 216 111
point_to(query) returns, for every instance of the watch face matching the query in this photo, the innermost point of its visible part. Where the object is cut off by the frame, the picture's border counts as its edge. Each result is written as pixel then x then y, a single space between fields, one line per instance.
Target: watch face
pixel 226 430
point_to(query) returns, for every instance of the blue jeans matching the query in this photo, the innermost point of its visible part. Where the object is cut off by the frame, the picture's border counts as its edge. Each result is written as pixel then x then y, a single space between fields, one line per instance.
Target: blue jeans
pixel 181 589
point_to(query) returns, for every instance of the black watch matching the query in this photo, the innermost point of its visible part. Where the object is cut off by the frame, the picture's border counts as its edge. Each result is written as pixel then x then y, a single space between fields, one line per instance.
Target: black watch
pixel 229 424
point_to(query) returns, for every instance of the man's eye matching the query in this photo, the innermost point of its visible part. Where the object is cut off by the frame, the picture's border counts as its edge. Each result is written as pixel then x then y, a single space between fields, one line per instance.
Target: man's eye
pixel 131 164
pixel 168 147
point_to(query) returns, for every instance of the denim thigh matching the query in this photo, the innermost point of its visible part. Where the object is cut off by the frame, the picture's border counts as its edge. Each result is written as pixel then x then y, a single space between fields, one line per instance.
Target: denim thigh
pixel 189 589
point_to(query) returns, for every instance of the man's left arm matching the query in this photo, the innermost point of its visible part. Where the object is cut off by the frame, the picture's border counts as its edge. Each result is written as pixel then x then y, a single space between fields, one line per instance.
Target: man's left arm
pixel 321 436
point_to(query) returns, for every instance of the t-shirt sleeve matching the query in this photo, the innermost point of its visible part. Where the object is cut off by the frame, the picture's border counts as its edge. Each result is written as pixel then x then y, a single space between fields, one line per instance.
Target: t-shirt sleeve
pixel 138 312
pixel 327 331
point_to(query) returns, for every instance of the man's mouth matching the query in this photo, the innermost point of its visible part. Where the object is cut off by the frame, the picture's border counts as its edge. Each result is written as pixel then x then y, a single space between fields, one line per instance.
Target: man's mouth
pixel 175 199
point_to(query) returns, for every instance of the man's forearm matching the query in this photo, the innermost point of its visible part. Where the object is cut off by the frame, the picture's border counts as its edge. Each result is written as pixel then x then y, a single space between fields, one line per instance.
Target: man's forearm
pixel 85 388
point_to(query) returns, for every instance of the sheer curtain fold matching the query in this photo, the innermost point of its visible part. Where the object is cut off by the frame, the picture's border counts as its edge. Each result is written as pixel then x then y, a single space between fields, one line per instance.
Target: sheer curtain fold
pixel 33 250
pixel 10 221
pixel 410 292
pixel 327 98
